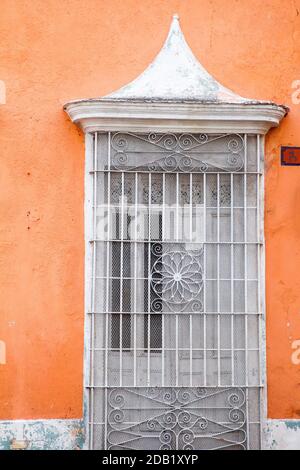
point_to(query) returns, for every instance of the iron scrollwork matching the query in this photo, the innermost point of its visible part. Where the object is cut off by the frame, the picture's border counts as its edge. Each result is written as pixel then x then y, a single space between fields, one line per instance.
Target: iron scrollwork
pixel 177 419
pixel 177 152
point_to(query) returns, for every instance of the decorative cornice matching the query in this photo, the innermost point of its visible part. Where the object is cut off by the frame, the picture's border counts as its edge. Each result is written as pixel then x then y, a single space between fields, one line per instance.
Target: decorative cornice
pixel 174 116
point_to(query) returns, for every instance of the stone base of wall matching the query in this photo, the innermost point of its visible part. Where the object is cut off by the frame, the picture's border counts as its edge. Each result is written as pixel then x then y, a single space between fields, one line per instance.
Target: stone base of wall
pixel 52 434
pixel 65 434
pixel 280 434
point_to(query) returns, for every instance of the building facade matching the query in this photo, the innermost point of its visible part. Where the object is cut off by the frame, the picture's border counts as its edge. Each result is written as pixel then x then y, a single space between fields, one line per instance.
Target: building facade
pixel 149 234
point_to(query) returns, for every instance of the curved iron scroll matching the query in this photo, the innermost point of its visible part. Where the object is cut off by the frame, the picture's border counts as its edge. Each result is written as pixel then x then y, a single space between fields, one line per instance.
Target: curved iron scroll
pixel 177 152
pixel 177 419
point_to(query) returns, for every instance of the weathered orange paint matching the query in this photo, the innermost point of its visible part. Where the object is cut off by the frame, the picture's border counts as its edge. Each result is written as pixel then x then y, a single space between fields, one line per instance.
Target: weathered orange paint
pixel 54 51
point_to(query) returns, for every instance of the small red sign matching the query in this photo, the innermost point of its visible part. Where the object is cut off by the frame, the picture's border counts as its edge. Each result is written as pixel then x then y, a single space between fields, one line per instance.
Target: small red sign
pixel 290 156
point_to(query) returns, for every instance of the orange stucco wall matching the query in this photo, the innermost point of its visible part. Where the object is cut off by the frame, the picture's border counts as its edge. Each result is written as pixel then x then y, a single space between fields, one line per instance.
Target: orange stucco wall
pixel 53 51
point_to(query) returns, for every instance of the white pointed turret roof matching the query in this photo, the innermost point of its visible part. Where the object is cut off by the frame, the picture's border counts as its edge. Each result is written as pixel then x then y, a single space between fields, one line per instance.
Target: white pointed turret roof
pixel 176 74
pixel 176 94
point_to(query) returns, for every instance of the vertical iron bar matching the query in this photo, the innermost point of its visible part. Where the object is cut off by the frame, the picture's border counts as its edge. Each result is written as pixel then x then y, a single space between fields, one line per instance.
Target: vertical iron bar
pixel 204 283
pixel 135 277
pixel 149 279
pixel 191 316
pixel 163 316
pixel 246 279
pixel 177 238
pixel 107 288
pixel 232 281
pixel 246 259
pixel 94 290
pixel 218 278
pixel 261 282
pixel 121 278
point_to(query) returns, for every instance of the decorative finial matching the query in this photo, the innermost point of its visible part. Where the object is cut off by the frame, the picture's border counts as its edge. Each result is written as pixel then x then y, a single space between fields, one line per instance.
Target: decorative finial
pixel 176 17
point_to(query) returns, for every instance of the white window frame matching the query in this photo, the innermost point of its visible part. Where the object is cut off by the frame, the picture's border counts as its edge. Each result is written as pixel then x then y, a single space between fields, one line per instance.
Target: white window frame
pixel 181 117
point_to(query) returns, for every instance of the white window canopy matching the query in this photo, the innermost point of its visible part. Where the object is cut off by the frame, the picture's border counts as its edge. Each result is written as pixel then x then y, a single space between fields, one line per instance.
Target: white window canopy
pixel 175 93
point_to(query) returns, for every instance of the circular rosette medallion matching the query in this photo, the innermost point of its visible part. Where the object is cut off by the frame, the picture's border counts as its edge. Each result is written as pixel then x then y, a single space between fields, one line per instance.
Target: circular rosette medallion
pixel 177 277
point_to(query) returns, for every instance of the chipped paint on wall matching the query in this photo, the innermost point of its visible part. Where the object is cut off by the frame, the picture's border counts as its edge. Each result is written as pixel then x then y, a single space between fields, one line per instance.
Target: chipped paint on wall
pixel 281 435
pixel 69 434
pixel 52 434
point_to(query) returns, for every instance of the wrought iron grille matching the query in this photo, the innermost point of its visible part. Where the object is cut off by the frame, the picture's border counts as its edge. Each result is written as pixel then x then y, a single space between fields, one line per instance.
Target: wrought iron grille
pixel 175 357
